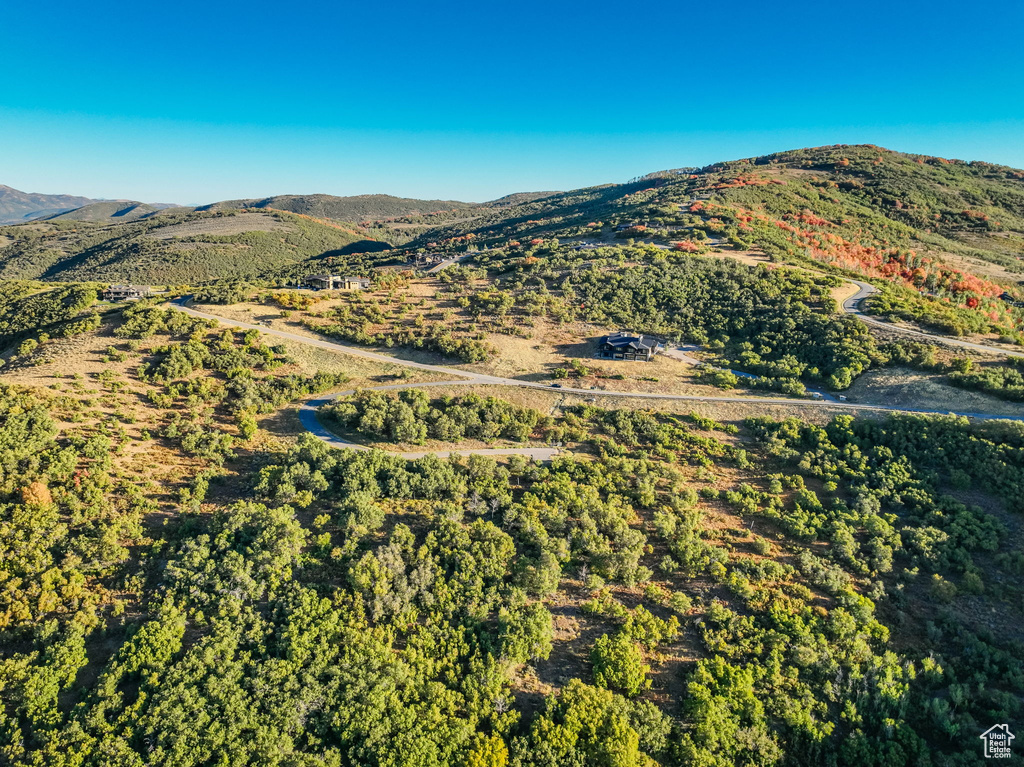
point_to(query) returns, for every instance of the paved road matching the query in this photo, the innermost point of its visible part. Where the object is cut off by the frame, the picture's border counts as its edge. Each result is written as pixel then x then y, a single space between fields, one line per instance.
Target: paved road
pixel 463 377
pixel 852 306
pixel 311 422
pixel 448 262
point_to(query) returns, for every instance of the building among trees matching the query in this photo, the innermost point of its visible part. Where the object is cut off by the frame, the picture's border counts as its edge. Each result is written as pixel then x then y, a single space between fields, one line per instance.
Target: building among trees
pixel 623 346
pixel 334 282
pixel 427 259
pixel 126 292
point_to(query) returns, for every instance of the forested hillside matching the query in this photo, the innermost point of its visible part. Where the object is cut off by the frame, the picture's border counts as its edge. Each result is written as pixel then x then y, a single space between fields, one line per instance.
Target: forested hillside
pixel 173 247
pixel 359 208
pixel 944 237
pixel 785 577
pixel 673 591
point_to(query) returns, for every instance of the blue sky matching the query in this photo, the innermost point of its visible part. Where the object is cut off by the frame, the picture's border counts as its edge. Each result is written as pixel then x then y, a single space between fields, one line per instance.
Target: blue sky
pixel 194 102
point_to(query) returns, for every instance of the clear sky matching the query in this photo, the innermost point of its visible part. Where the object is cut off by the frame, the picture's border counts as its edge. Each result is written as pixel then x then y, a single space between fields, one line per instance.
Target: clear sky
pixel 194 102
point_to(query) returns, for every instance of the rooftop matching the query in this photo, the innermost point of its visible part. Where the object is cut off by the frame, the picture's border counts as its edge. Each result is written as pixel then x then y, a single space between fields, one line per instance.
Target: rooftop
pixel 624 340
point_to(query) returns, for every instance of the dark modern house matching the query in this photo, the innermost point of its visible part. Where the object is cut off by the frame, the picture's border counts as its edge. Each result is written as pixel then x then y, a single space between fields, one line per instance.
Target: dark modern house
pixel 126 292
pixel 1011 300
pixel 624 346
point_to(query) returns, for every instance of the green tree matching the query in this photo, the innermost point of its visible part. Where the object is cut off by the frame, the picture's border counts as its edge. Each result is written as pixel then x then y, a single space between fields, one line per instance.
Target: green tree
pixel 619 664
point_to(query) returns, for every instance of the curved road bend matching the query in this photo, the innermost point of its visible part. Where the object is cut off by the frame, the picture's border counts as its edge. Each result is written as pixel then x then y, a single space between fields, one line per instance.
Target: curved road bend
pixel 307 412
pixel 852 306
pixel 311 423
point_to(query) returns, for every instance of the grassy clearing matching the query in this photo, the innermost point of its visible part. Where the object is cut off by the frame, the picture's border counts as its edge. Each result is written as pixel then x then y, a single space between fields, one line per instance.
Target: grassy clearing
pixel 228 225
pixel 905 387
pixel 91 390
pixel 552 402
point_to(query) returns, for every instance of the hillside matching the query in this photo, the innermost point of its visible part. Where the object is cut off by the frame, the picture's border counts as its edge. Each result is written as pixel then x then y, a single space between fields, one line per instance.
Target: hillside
pixel 363 207
pixel 173 247
pixel 190 579
pixel 113 210
pixel 17 206
pixel 945 238
pixel 236 531
pixel 964 209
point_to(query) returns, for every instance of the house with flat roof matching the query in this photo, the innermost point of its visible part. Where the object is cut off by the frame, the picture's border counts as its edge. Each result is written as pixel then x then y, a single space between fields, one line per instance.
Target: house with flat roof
pixel 625 346
pixel 336 282
pixel 322 281
pixel 427 259
pixel 126 292
pixel 356 283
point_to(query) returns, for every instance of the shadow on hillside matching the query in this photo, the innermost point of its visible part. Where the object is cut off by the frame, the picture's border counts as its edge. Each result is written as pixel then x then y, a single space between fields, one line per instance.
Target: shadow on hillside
pixel 585 348
pixel 360 246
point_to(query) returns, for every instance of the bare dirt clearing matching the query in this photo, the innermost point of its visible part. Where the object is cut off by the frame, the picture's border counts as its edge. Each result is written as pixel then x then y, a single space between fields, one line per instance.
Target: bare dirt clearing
pixel 1005 243
pixel 553 345
pixel 844 291
pixel 904 387
pixel 554 402
pixel 222 225
pixel 748 257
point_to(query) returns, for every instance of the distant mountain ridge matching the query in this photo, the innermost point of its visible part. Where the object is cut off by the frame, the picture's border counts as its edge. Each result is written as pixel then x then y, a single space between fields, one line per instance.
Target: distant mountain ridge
pixel 114 210
pixel 175 246
pixel 363 207
pixel 17 206
pixel 930 226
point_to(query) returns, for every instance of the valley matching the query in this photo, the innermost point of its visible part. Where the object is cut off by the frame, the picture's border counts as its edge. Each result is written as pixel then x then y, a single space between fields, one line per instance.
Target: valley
pixel 365 480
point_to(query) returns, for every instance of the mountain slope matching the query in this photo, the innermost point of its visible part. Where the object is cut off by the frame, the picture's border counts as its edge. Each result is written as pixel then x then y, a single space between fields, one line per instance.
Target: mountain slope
pixel 945 238
pixel 362 207
pixel 17 206
pixel 115 210
pixel 175 247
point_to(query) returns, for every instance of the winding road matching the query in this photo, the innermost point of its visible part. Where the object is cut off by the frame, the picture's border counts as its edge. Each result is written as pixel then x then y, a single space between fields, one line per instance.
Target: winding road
pixel 308 416
pixel 852 306
pixel 311 423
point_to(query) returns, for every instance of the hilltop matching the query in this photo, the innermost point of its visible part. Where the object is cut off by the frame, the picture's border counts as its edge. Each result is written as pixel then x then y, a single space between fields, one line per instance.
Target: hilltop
pixel 945 237
pixel 364 207
pixel 113 210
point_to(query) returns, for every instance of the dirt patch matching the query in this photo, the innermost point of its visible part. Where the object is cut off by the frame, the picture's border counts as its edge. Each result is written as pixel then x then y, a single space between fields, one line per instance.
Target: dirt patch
pixel 1003 243
pixel 748 257
pixel 547 346
pixel 554 402
pixel 222 225
pixel 843 292
pixel 907 388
